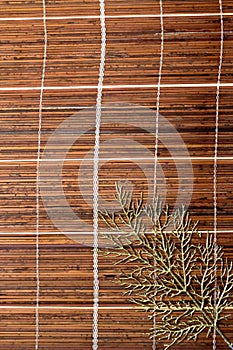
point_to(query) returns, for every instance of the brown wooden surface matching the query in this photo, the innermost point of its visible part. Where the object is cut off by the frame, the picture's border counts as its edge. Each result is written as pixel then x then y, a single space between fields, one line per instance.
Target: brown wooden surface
pixel 191 56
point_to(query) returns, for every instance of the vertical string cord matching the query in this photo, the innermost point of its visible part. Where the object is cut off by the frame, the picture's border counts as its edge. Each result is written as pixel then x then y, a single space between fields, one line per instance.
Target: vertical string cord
pixel 96 178
pixel 216 156
pixel 38 177
pixel 157 134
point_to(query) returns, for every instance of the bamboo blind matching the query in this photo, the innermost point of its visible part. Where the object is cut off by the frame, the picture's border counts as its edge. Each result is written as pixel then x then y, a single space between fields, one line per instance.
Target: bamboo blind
pixel 192 34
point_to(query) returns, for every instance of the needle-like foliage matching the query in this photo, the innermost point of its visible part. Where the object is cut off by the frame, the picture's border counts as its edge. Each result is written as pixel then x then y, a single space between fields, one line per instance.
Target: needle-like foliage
pixel 185 284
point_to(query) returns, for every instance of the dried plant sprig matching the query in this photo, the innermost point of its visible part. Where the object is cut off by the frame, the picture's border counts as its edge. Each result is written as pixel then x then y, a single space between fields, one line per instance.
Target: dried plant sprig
pixel 187 285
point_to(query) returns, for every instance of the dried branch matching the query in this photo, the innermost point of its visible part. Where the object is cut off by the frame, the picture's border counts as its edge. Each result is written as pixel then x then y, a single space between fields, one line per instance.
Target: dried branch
pixel 188 286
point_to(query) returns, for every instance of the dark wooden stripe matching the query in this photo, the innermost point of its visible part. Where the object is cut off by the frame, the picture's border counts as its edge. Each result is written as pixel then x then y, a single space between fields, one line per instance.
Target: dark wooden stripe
pixel 21 8
pixel 178 105
pixel 190 6
pixel 18 188
pixel 191 111
pixel 66 272
pixel 132 57
pixel 117 7
pixel 73 329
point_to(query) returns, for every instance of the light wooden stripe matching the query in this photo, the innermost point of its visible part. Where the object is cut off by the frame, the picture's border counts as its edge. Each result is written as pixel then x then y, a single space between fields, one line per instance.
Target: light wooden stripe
pixel 113 87
pixel 165 15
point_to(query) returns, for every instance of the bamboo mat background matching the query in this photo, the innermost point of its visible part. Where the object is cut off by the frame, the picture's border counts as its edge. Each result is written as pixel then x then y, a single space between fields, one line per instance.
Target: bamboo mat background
pixel 191 56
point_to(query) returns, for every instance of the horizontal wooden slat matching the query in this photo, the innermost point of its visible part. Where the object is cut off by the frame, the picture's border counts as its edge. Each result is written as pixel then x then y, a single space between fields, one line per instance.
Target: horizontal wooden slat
pixel 18 188
pixel 21 8
pixel 17 197
pixel 66 272
pixel 140 174
pixel 132 57
pixel 21 53
pixel 19 134
pixel 190 6
pixel 197 24
pixel 72 7
pixel 179 106
pixel 226 122
pixel 119 7
pixel 227 5
pixel 19 100
pixel 70 329
pixel 73 52
pixel 227 54
pixel 129 131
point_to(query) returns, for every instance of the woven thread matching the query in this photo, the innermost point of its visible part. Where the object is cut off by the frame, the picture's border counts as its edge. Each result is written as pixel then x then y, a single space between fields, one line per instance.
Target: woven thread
pixel 157 134
pixel 96 177
pixel 113 87
pixel 38 179
pixel 216 154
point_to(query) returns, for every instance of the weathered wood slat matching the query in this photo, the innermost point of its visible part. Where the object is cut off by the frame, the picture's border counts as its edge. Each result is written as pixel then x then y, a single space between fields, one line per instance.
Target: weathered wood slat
pixel 118 7
pixel 65 272
pixel 72 329
pixel 180 106
pixel 132 57
pixel 17 183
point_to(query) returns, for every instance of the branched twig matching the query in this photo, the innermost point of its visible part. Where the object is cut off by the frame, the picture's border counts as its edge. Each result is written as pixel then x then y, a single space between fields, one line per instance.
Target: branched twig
pixel 171 276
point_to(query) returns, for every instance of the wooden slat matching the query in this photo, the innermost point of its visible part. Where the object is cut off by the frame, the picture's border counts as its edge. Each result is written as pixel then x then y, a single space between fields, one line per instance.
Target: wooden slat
pixel 19 100
pixel 90 7
pixel 227 5
pixel 73 329
pixel 19 133
pixel 17 197
pixel 18 272
pixel 118 7
pixel 192 6
pixel 178 105
pixel 198 24
pixel 227 67
pixel 140 173
pixel 226 123
pixel 66 274
pixel 20 8
pixel 124 56
pixel 21 53
pixel 133 51
pixel 134 126
pixel 69 39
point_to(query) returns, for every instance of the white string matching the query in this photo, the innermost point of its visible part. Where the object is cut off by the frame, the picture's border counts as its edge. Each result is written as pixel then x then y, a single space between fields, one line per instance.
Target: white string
pixel 48 233
pixel 158 96
pixel 216 156
pixel 38 179
pixel 171 15
pixel 96 178
pixel 90 308
pixel 157 135
pixel 113 87
pixel 31 160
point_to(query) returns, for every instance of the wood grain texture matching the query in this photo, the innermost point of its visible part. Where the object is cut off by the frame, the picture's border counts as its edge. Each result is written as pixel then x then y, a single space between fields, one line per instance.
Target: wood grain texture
pixel 178 105
pixel 191 51
pixel 33 8
pixel 18 207
pixel 21 53
pixel 191 55
pixel 71 328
